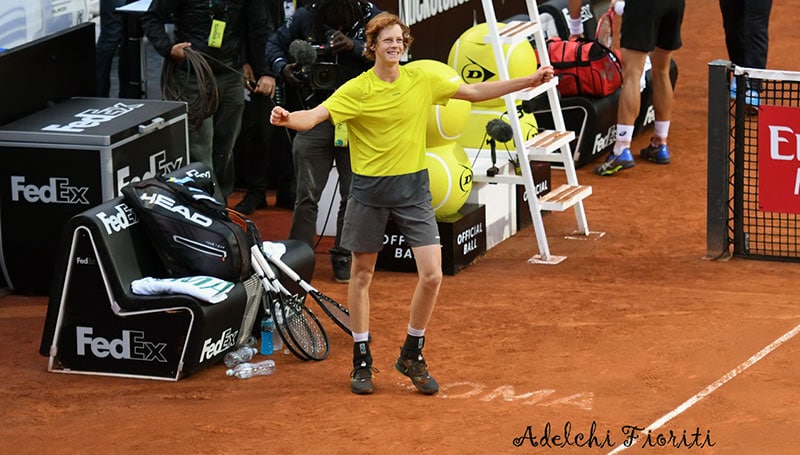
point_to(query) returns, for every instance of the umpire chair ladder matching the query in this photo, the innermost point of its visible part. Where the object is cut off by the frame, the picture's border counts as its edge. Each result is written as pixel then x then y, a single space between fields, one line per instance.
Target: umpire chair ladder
pixel 548 145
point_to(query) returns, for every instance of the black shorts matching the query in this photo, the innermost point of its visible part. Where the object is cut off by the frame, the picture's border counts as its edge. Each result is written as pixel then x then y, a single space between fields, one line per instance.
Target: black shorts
pixel 647 24
pixel 365 226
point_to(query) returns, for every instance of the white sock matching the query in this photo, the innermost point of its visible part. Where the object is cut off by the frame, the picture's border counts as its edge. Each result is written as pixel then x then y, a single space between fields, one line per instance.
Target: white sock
pixel 661 129
pixel 359 337
pixel 415 332
pixel 624 136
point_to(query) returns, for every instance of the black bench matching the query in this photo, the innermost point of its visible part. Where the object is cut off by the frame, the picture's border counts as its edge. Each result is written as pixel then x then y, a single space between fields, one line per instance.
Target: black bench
pixel 96 325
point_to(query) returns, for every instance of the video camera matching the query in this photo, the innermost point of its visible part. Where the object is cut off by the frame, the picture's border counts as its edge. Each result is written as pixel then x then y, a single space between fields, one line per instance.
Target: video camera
pixel 311 66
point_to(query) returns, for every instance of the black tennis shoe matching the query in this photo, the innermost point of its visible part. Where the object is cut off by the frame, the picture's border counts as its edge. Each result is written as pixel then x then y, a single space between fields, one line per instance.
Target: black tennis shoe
pixel 361 379
pixel 417 370
pixel 341 268
pixel 251 201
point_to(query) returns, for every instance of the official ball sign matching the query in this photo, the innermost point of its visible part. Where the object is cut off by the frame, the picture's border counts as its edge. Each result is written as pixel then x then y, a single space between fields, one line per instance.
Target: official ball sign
pixel 779 159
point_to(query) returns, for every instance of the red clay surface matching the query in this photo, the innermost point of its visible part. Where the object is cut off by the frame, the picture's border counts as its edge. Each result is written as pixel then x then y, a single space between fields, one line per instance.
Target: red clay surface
pixel 620 334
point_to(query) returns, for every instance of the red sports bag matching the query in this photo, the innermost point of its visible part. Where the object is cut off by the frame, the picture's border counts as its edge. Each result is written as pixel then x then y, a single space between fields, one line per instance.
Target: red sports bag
pixel 584 67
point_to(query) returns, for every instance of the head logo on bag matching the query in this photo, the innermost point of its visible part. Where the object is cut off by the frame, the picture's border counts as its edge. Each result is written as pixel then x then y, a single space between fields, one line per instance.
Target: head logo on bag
pixel 193 233
pixel 167 203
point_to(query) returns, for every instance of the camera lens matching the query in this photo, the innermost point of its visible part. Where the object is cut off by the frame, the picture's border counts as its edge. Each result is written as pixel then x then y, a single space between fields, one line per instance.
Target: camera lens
pixel 325 76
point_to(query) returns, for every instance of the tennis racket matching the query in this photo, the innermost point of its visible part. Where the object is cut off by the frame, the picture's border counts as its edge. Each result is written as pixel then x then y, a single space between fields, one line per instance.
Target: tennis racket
pixel 272 302
pixel 305 329
pixel 336 311
pixel 605 29
pixel 297 325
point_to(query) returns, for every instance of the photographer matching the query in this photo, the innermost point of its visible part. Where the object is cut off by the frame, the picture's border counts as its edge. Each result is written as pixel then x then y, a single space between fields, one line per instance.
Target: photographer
pixel 320 47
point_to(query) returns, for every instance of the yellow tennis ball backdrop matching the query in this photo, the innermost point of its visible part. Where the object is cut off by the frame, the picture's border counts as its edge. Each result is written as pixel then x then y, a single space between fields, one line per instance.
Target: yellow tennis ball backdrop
pixel 474 60
pixel 445 122
pixel 450 174
pixel 474 135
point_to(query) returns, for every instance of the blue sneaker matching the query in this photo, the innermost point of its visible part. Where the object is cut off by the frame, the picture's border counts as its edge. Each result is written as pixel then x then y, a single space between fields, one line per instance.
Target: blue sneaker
pixel 616 163
pixel 658 154
pixel 751 96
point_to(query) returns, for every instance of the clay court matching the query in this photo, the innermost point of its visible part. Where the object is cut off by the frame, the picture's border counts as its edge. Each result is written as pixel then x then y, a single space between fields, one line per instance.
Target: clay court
pixel 634 329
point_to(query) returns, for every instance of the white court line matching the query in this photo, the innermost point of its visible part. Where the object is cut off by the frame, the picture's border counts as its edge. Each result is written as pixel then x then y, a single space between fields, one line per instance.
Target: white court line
pixel 714 385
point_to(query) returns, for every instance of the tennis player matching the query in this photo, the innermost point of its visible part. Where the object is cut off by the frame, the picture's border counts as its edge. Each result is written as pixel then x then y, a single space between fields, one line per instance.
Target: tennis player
pixel 386 110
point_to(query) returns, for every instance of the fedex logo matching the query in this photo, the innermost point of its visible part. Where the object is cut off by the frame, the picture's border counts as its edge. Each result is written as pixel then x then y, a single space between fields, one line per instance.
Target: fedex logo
pixel 85 261
pixel 649 116
pixel 159 165
pixel 57 191
pixel 212 347
pixel 131 346
pixel 122 218
pixel 92 118
pixel 602 141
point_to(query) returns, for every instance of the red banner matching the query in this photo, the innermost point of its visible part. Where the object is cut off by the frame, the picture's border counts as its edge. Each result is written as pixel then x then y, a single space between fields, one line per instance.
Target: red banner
pixel 779 159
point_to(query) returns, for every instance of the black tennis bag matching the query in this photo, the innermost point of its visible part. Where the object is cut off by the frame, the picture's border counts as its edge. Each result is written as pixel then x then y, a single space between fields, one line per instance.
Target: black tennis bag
pixel 193 233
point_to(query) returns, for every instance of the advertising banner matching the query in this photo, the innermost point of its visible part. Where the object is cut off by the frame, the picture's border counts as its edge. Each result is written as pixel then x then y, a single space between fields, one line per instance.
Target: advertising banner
pixel 779 159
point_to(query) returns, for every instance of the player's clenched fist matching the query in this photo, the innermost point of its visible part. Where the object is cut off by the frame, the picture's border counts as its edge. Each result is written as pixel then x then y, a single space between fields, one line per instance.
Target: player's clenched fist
pixel 279 116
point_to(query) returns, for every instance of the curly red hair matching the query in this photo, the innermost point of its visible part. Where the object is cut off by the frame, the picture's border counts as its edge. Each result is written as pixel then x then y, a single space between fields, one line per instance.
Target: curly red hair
pixel 378 24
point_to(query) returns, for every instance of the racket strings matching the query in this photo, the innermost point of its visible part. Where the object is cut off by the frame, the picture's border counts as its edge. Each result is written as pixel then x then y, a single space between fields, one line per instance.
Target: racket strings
pixel 283 330
pixel 305 329
pixel 605 30
pixel 339 314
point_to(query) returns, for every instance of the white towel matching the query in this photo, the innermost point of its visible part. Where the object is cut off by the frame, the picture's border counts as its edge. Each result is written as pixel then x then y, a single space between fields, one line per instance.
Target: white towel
pixel 275 250
pixel 205 288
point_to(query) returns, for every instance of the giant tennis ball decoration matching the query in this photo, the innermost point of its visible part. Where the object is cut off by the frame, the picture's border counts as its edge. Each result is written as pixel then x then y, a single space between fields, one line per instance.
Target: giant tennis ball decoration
pixel 474 135
pixel 450 174
pixel 474 60
pixel 445 122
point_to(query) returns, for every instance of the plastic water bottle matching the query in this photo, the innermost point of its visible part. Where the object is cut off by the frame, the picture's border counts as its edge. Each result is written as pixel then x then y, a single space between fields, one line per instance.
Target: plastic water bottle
pixel 239 356
pixel 279 344
pixel 248 370
pixel 267 331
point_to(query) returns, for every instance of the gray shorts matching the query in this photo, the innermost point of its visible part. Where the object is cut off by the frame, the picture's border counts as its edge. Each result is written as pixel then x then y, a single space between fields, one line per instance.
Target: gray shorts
pixel 365 226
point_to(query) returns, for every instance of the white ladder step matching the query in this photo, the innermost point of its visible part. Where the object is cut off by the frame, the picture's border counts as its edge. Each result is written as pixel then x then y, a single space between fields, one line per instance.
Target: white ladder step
pixel 564 197
pixel 512 179
pixel 548 141
pixel 532 92
pixel 516 32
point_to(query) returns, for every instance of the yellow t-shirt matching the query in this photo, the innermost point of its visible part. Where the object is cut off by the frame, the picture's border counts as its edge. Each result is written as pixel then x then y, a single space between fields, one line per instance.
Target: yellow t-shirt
pixel 386 121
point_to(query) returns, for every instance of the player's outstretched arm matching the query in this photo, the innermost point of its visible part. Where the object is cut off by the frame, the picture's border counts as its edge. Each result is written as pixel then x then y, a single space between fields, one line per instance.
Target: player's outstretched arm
pixel 483 91
pixel 299 120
